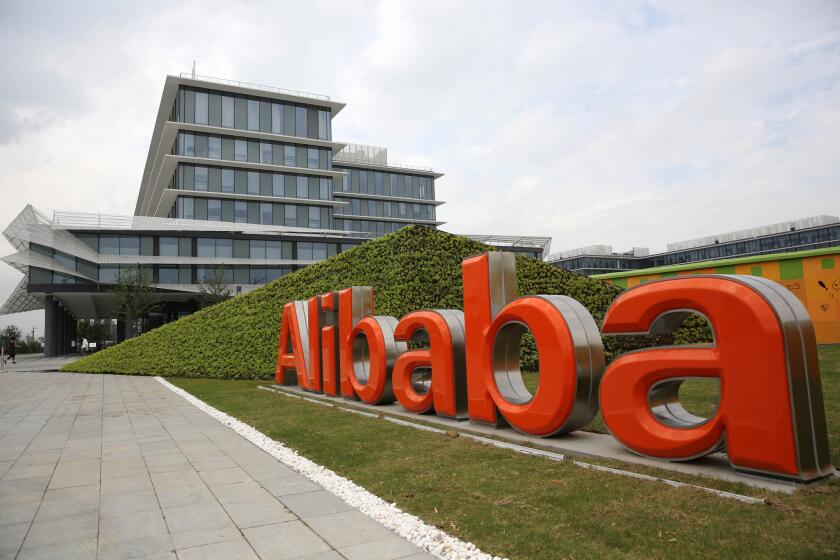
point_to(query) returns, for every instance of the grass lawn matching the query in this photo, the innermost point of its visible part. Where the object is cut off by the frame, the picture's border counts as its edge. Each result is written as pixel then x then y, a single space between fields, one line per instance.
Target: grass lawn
pixel 528 507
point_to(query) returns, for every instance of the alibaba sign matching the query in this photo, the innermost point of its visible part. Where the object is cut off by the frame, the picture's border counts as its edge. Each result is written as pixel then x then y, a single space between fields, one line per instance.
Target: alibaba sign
pixel 770 418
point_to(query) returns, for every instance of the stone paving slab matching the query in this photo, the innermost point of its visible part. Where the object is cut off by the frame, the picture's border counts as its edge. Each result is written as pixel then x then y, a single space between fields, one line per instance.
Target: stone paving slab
pixel 104 466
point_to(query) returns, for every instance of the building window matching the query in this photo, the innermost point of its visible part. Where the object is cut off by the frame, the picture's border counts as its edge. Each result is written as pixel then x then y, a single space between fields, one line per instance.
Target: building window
pixel 313 158
pixel 240 150
pixel 240 212
pixel 168 246
pixel 323 122
pixel 276 118
pixel 109 273
pixel 227 112
pixel 253 114
pixel 201 180
pixel 319 251
pixel 200 107
pixel 273 250
pixel 214 148
pixel 187 144
pixel 206 247
pixel 265 152
pixel 257 249
pixel 130 245
pixel 304 251
pixel 214 210
pixel 277 184
pixel 314 217
pixel 65 260
pixel 266 213
pixel 186 208
pixel 168 275
pixel 109 244
pixel 325 189
pixel 227 181
pixel 253 182
pixel 289 155
pixel 302 187
pixel 300 121
pixel 291 215
pixel 258 276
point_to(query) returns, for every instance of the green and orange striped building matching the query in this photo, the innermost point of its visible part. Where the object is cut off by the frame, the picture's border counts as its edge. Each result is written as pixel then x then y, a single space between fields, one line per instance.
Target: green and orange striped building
pixel 813 276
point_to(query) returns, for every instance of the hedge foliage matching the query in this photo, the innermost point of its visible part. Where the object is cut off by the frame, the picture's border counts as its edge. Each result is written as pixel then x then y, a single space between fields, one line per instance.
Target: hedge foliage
pixel 414 268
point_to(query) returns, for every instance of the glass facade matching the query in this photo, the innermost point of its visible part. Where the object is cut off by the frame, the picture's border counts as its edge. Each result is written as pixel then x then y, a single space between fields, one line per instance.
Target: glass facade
pixel 203 247
pixel 253 212
pixel 401 185
pixel 192 144
pixel 801 240
pixel 220 109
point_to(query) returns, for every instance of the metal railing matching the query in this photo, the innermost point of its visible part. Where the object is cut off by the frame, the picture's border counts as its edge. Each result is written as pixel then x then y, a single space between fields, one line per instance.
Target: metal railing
pixel 250 85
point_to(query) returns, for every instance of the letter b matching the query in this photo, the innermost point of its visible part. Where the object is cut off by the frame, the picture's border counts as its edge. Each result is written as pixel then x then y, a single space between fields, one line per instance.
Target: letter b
pixel 568 345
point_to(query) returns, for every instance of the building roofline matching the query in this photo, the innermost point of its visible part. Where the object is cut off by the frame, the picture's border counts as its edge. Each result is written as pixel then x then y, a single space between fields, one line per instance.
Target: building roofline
pixel 259 90
pixel 719 262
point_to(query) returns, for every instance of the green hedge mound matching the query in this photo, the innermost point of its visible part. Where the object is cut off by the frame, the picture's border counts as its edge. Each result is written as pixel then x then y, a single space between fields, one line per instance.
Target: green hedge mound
pixel 414 268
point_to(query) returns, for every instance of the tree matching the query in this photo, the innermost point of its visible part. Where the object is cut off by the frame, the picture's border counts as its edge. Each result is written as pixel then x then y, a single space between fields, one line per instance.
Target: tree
pixel 214 288
pixel 134 297
pixel 9 332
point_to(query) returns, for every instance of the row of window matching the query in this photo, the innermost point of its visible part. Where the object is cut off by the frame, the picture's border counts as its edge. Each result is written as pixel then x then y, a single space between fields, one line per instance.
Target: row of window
pixel 253 151
pixel 262 183
pixel 387 184
pixel 792 241
pixel 164 246
pixel 798 240
pixel 388 209
pixel 369 226
pixel 249 113
pixel 184 274
pixel 248 212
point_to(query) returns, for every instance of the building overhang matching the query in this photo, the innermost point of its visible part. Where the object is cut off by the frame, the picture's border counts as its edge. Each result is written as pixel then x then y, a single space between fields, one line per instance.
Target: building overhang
pixel 405 169
pixel 518 241
pixel 389 198
pixel 416 221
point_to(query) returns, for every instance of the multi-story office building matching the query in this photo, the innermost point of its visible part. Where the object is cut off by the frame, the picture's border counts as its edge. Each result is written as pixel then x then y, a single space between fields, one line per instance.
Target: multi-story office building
pixel 240 178
pixel 816 232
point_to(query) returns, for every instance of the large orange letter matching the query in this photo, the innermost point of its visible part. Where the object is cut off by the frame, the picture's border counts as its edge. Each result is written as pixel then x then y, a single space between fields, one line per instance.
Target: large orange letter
pixel 445 357
pixel 367 347
pixel 329 343
pixel 293 350
pixel 568 345
pixel 770 415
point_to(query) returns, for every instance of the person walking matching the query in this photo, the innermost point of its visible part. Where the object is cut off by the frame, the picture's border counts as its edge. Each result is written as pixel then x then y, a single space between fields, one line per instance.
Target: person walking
pixel 85 346
pixel 11 348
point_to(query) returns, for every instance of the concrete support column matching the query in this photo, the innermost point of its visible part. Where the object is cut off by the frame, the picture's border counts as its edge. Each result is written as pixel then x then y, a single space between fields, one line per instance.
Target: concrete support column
pixel 121 329
pixel 74 333
pixel 60 329
pixel 65 331
pixel 50 326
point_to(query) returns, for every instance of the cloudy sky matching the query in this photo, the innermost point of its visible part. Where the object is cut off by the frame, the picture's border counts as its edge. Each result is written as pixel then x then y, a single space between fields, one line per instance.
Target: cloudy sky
pixel 622 123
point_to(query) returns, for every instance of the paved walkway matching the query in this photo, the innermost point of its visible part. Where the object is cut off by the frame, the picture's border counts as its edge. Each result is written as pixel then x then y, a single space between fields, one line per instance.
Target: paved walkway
pixel 102 466
pixel 37 362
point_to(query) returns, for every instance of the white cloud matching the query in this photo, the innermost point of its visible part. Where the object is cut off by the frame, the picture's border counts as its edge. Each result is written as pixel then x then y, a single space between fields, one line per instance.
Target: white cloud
pixel 617 123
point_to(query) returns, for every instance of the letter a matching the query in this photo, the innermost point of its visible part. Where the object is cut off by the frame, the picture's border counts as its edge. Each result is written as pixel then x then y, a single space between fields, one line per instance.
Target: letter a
pixel 770 416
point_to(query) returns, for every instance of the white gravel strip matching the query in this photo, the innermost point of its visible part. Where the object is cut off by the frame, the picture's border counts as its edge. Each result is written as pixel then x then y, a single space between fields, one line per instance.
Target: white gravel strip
pixel 408 526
